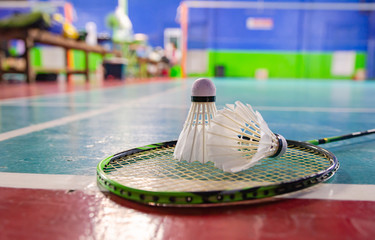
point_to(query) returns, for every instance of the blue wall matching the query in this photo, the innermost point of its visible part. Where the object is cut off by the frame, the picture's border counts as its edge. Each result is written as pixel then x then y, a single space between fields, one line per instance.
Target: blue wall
pixel 93 11
pixel 4 13
pixel 148 16
pixel 293 30
pixel 152 17
pixel 226 29
pixel 371 48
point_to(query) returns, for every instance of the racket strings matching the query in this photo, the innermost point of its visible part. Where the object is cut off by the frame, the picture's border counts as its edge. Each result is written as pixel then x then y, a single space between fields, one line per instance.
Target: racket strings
pixel 156 170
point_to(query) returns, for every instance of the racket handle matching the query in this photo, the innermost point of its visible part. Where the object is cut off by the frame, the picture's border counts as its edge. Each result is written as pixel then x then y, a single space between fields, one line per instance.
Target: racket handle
pixel 339 138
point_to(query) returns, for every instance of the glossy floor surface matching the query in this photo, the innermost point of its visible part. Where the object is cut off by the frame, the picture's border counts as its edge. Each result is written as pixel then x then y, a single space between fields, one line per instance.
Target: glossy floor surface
pixel 52 140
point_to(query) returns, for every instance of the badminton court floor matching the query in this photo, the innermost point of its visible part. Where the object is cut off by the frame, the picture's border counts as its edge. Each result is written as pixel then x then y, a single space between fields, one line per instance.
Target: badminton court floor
pixel 51 143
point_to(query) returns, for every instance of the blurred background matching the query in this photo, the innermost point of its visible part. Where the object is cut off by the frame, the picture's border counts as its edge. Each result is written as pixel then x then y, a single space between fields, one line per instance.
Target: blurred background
pixel 300 39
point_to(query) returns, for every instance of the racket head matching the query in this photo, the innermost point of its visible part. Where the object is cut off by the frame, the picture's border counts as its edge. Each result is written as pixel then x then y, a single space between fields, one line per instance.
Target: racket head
pixel 149 175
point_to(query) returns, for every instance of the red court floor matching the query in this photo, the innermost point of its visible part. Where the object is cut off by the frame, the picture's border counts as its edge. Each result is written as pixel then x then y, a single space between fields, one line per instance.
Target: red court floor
pixel 48 214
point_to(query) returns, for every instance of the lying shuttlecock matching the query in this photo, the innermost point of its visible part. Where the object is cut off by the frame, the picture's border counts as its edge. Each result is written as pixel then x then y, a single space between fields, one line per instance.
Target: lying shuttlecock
pixel 191 144
pixel 239 137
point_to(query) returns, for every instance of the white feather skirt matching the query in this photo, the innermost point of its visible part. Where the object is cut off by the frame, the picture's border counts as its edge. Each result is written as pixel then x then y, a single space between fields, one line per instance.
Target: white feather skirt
pixel 191 144
pixel 238 138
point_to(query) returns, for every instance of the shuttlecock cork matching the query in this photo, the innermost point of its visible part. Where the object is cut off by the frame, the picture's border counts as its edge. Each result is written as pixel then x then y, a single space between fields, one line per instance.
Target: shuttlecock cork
pixel 205 88
pixel 191 144
pixel 239 137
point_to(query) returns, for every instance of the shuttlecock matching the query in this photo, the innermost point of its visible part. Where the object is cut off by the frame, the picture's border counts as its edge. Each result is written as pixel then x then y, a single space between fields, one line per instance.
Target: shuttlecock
pixel 239 137
pixel 191 144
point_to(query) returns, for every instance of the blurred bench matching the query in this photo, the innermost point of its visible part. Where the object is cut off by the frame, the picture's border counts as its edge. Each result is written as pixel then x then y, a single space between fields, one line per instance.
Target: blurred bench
pixel 32 36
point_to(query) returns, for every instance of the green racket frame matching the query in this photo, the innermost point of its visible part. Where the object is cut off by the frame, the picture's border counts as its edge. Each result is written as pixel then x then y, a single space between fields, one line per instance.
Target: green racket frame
pixel 213 198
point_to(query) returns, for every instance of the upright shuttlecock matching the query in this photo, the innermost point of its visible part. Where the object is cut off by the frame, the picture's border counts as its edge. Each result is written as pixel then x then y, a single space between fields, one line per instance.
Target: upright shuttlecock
pixel 239 137
pixel 191 144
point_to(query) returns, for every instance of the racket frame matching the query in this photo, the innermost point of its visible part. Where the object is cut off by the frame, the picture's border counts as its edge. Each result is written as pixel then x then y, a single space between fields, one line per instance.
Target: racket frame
pixel 213 198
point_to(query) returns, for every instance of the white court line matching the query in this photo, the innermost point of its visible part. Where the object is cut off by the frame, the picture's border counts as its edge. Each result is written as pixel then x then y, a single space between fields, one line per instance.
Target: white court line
pixel 316 109
pixel 175 106
pixel 55 123
pixel 325 191
pixel 79 116
pixel 55 104
pixel 287 109
pixel 45 181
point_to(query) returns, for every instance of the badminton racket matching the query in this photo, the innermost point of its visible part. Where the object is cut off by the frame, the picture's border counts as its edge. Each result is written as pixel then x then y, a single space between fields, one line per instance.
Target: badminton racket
pixel 150 175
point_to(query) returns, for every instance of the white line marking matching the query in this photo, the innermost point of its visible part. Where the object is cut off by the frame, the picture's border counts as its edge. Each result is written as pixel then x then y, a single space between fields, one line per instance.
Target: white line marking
pixel 343 192
pixel 79 116
pixel 55 123
pixel 284 109
pixel 349 192
pixel 45 181
pixel 54 104
pixel 14 102
pixel 316 109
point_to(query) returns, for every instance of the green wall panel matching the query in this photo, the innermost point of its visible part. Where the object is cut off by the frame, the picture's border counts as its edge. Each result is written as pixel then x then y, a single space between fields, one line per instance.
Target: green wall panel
pixel 314 65
pixel 78 59
pixel 279 64
pixel 244 64
pixel 36 57
pixel 94 60
pixel 360 61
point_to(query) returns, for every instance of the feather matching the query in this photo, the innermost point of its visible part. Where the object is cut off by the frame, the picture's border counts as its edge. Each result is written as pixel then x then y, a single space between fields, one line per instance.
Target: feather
pixel 239 137
pixel 191 144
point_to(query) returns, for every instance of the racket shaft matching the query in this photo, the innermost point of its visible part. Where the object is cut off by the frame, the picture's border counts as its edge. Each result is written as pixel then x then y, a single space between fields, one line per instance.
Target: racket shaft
pixel 339 138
